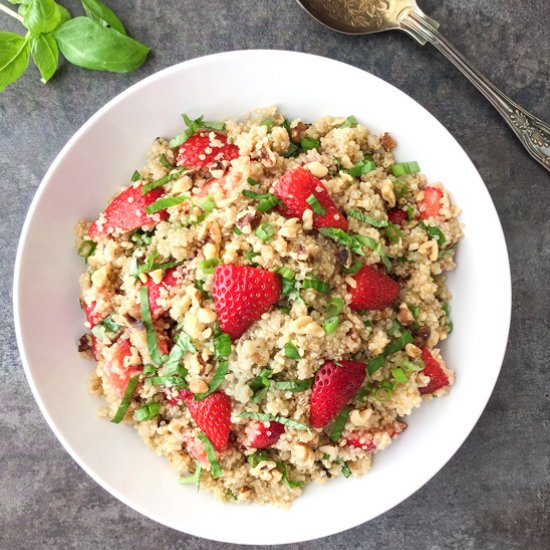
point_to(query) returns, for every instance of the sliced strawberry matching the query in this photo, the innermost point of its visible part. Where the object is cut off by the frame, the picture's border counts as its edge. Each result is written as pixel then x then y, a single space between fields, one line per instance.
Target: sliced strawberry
pixel 117 374
pixel 295 187
pixel 397 216
pixel 127 212
pixel 177 397
pixel 364 439
pixel 260 435
pixel 169 280
pixel 213 416
pixel 195 448
pixel 431 203
pixel 333 387
pixel 438 377
pixel 373 290
pixel 206 149
pixel 241 295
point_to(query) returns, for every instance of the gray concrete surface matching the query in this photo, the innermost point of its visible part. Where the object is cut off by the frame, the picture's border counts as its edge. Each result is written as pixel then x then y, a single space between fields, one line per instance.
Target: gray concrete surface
pixel 495 493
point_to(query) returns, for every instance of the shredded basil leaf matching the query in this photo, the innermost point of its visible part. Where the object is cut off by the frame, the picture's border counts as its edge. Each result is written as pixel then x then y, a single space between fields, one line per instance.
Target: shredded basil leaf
pixel 152 344
pixel 349 122
pixel 346 472
pixel 126 399
pixel 339 424
pixel 316 205
pixel 291 351
pixel 260 385
pixel 136 176
pixel 194 479
pixel 364 167
pixel 291 484
pixel 294 386
pixel 216 382
pixel 193 127
pixel 168 381
pixel 434 232
pixel 264 417
pixel 211 455
pixel 207 203
pixel 307 143
pixel 165 162
pixel 365 218
pixel 163 204
pixel 402 168
pixel 147 412
pixel 174 175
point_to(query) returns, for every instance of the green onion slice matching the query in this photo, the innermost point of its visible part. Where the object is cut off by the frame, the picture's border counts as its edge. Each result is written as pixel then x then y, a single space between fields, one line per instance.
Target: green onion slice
pixel 147 412
pixel 399 376
pixel 207 204
pixel 409 366
pixel 316 284
pixel 291 351
pixel 308 143
pixel 209 266
pixel 346 472
pixel 126 399
pixel 264 417
pixel 211 455
pixel 286 273
pixel 266 201
pixel 216 382
pixel 194 479
pixel 410 212
pixel 163 204
pixel 136 176
pixel 335 306
pixel 364 167
pixel 331 324
pixel 376 364
pixel 402 168
pixel 399 343
pixel 252 181
pixel 265 231
pixel 152 344
pixel 339 424
pixel 293 385
pixel 86 249
pixel 446 251
pixel 316 205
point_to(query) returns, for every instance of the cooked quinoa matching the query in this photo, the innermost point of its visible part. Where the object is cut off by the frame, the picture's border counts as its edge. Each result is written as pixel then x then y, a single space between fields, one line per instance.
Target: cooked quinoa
pixel 213 223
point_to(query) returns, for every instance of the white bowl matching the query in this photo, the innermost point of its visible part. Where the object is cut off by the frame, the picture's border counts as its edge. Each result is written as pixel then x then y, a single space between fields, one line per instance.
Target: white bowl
pixel 103 154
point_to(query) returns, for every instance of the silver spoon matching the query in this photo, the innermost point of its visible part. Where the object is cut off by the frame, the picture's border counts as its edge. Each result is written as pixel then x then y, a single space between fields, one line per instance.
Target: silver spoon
pixel 369 16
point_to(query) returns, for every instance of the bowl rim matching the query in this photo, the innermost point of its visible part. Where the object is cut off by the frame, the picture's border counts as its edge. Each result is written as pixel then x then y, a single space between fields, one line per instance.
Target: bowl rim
pixel 46 181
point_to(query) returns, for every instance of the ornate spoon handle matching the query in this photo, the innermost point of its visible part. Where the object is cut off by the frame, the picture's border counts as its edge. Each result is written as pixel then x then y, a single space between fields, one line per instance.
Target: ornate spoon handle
pixel 531 131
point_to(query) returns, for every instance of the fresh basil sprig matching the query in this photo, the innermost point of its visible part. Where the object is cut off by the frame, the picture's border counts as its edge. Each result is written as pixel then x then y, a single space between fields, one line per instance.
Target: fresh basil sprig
pixel 97 41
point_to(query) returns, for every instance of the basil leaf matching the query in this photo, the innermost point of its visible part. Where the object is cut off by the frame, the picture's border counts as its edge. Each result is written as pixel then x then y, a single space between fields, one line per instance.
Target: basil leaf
pixel 42 16
pixel 399 343
pixel 14 57
pixel 194 479
pixel 376 364
pixel 291 484
pixel 152 344
pixel 45 55
pixel 339 424
pixel 293 385
pixel 126 399
pixel 264 417
pixel 211 455
pixel 87 44
pixel 104 15
pixel 216 382
pixel 365 218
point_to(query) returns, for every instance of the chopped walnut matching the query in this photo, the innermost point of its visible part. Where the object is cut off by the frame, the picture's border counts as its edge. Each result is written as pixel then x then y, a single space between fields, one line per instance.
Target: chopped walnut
pixel 251 219
pixel 388 142
pixel 297 132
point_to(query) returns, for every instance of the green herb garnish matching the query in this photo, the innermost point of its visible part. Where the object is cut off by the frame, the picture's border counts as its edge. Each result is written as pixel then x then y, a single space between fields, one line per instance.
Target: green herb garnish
pixel 293 385
pixel 291 484
pixel 316 205
pixel 216 382
pixel 402 168
pixel 86 249
pixel 207 204
pixel 165 162
pixel 399 376
pixel 211 455
pixel 126 399
pixel 316 284
pixel 260 384
pixel 252 181
pixel 264 417
pixel 434 232
pixel 194 126
pixel 168 381
pixel 209 266
pixel 349 122
pixel 266 201
pixel 265 231
pixel 152 345
pixel 339 424
pixel 107 325
pixel 163 204
pixel 365 218
pixel 330 325
pixel 147 412
pixel 353 268
pixel 393 233
pixel 222 345
pixel 307 143
pixel 346 472
pixel 194 479
pixel 136 176
pixel 291 351
pixel 363 167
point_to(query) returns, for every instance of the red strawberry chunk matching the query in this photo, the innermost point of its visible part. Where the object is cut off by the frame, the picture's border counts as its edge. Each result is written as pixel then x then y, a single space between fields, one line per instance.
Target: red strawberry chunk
pixel 177 397
pixel 241 295
pixel 116 373
pixel 433 370
pixel 195 448
pixel 333 387
pixel 397 216
pixel 206 149
pixel 127 212
pixel 213 416
pixel 431 203
pixel 374 290
pixel 168 281
pixel 295 187
pixel 260 435
pixel 364 439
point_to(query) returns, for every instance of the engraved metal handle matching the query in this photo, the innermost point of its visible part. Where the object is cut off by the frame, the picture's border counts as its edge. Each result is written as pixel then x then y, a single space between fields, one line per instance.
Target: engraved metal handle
pixel 531 131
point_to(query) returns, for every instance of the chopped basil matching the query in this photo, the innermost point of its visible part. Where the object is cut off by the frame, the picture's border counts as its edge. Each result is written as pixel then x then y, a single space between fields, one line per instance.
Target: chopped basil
pixel 339 236
pixel 409 366
pixel 268 122
pixel 149 370
pixel 168 381
pixel 107 325
pixel 222 345
pixel 260 385
pixel 393 233
pixel 182 346
pixel 400 188
pixel 194 479
pixel 446 251
pixel 410 211
pixel 86 249
pixel 434 232
pixel 291 484
pixel 307 143
pixel 376 364
pixel 287 286
pixel 362 217
pixel 291 351
pixel 147 412
pixel 293 385
pixel 126 399
pixel 199 285
pixel 316 205
pixel 152 344
pixel 136 176
pixel 346 472
pixel 349 122
pixel 331 324
pixel 264 417
pixel 339 424
pixel 353 268
pixel 250 255
pixel 266 201
pixel 207 204
pixel 399 343
pixel 292 151
pixel 375 246
pixel 335 306
pixel 257 457
pixel 230 494
pixel 414 309
pixel 165 162
pixel 209 266
pixel 402 168
pixel 216 382
pixel 193 126
pixel 316 284
pixel 399 376
pixel 211 455
pixel 163 204
pixel 265 231
pixel 363 167
pixel 252 181
pixel 286 273
pixel 363 393
pixel 173 175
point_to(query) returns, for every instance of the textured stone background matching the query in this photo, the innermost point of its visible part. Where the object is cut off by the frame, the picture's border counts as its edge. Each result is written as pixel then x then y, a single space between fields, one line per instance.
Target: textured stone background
pixel 495 493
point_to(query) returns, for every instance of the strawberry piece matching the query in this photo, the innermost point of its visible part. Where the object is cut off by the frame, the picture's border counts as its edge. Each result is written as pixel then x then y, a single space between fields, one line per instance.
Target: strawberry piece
pixel 374 290
pixel 438 377
pixel 195 448
pixel 202 151
pixel 333 387
pixel 397 216
pixel 168 280
pixel 177 397
pixel 127 212
pixel 260 435
pixel 117 374
pixel 295 187
pixel 241 295
pixel 213 416
pixel 364 439
pixel 431 203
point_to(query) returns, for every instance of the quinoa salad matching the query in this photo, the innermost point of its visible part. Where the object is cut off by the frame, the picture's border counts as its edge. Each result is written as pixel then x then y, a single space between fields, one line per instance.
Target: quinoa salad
pixel 265 301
